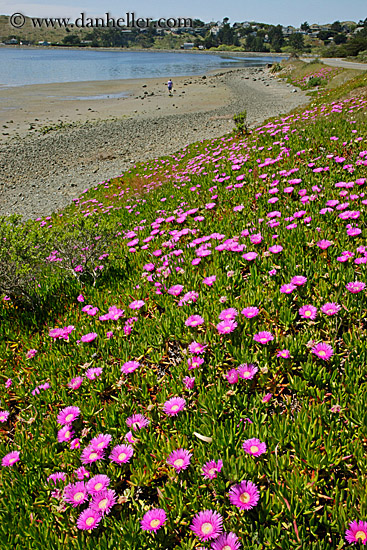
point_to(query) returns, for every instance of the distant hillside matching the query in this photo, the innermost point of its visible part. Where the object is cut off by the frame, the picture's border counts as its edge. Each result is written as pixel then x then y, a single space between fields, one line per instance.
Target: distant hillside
pixel 29 34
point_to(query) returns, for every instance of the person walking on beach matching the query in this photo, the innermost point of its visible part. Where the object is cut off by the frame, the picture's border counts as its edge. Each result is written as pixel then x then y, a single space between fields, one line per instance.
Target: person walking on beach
pixel 170 86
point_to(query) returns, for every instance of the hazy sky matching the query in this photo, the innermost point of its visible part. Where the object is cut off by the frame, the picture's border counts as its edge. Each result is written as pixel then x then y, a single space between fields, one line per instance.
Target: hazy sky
pixel 286 12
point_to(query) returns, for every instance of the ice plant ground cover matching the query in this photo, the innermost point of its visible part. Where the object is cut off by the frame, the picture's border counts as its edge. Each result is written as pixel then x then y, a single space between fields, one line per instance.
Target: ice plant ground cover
pixel 208 388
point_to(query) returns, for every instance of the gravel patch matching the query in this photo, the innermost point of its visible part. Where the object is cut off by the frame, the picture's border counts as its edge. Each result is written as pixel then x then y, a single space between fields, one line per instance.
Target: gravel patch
pixel 40 174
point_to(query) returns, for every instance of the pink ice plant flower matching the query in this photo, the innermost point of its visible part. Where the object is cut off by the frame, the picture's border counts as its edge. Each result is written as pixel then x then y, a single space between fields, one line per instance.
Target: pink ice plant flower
pixel 129 367
pixel 355 287
pixel 287 288
pixel 98 483
pixel 226 541
pixel 121 454
pixel 247 372
pixel 211 469
pixel 179 459
pixel 194 362
pixel 308 312
pixel 76 493
pixel 90 455
pixel 153 520
pixel 196 347
pixel 174 405
pixel 209 281
pixel 323 351
pixel 4 415
pixel 137 422
pixel 207 525
pixel 137 304
pixel 357 532
pixel 232 376
pixel 244 495
pixel 86 338
pixel 263 337
pixel 250 312
pixel 299 280
pixel 254 447
pixel 68 415
pixel 10 458
pixel 65 434
pixel 225 327
pixel 100 442
pixel 88 520
pixel 284 353
pixel 228 314
pixel 103 501
pixel 194 321
pixel 331 308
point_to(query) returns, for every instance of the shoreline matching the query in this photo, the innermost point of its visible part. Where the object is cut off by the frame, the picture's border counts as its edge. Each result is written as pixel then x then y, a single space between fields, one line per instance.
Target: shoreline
pixel 41 173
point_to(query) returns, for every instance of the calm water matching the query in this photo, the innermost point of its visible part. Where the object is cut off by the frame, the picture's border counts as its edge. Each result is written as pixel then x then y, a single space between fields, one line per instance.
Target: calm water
pixel 20 66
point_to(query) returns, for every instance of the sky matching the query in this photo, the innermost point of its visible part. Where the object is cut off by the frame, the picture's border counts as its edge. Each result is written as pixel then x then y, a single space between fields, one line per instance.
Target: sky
pixel 285 12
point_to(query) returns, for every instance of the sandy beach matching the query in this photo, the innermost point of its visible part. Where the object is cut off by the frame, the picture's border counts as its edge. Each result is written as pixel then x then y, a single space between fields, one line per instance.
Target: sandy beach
pixel 58 139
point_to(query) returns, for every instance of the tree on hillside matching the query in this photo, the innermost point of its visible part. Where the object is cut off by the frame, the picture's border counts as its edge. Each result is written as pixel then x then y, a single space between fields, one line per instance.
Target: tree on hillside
pixel 255 44
pixel 276 38
pixel 305 27
pixel 340 39
pixel 227 35
pixel 336 26
pixel 296 41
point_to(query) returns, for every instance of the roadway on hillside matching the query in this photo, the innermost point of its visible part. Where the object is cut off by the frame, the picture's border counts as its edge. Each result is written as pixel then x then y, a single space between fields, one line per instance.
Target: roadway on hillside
pixel 337 62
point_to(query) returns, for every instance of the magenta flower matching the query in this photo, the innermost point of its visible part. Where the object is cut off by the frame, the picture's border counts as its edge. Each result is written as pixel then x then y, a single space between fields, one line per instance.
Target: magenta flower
pixel 31 353
pixel 225 327
pixel 357 532
pixel 355 287
pixel 89 519
pixel 228 314
pixel 90 455
pixel 89 337
pixel 137 422
pixel 153 520
pixel 284 353
pixel 232 376
pixel 57 476
pixel 209 281
pixel 137 304
pixel 250 312
pixel 245 495
pixel 254 447
pixel 267 398
pixel 92 373
pixel 194 321
pixel 298 280
pixel 287 288
pixel 174 405
pixel 4 415
pixel 275 249
pixel 211 469
pixel 324 244
pixel 75 383
pixel 331 308
pixel 179 459
pixel 246 371
pixel 196 347
pixel 194 362
pixel 129 367
pixel 263 337
pixel 81 473
pixel 189 382
pixel 68 415
pixel 226 541
pixel 121 454
pixel 175 290
pixel 97 483
pixel 249 256
pixel 76 493
pixel 100 442
pixel 323 351
pixel 308 312
pixel 103 501
pixel 10 458
pixel 207 525
pixel 80 298
pixel 65 434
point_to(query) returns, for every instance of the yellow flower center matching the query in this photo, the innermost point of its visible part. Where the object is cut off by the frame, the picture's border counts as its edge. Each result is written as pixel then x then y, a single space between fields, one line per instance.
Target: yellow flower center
pixel 179 462
pixel 263 340
pixel 69 417
pixel 92 456
pixel 246 374
pixel 100 445
pixel 102 505
pixel 254 448
pixel 122 456
pixel 245 497
pixel 206 528
pixel 322 353
pixel 98 486
pixel 212 471
pixel 154 523
pixel 12 460
pixel 361 535
pixel 78 496
pixel 308 313
pixel 226 547
pixel 174 408
pixel 90 521
pixel 67 434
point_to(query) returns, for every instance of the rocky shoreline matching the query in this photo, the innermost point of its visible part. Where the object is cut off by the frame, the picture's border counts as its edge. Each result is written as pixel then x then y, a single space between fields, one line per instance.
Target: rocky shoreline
pixel 40 174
